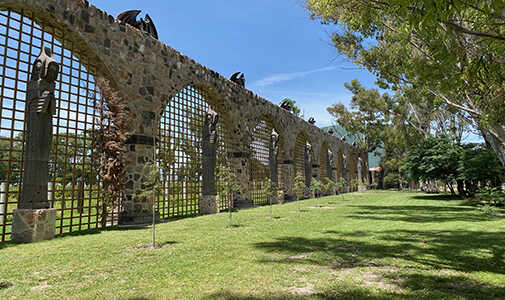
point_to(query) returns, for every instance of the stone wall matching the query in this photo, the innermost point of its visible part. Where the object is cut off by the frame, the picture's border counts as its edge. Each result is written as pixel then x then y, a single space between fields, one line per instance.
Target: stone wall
pixel 148 73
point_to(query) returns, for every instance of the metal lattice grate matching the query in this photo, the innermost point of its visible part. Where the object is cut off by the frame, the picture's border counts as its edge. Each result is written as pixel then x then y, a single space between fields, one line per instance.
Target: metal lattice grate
pixel 299 159
pixel 323 162
pixel 180 154
pixel 74 187
pixel 259 171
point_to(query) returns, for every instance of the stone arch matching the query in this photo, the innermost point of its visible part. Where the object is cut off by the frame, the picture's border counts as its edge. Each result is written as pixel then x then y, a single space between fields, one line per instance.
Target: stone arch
pixel 179 142
pixel 299 149
pixel 62 31
pixel 324 173
pixel 25 32
pixel 258 171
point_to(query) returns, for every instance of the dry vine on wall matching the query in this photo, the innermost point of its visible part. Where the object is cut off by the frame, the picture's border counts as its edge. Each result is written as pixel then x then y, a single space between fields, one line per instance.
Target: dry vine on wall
pixel 113 130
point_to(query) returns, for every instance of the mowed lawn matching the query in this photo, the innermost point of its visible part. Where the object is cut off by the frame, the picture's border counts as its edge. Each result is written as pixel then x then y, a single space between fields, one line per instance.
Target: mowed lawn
pixel 373 245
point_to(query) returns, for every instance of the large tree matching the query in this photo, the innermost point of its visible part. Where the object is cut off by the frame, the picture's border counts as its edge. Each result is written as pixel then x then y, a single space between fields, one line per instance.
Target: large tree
pixel 453 50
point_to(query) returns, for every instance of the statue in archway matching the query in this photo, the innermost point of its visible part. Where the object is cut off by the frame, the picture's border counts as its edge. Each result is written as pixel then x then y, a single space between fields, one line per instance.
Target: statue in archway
pixel 209 149
pixel 344 167
pixel 40 108
pixel 308 163
pixel 360 170
pixel 273 151
pixel 329 164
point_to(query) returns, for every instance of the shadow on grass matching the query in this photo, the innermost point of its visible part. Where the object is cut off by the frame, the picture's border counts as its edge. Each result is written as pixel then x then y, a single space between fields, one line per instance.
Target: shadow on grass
pixel 419 213
pixel 453 286
pixel 437 197
pixel 420 255
pixel 5 284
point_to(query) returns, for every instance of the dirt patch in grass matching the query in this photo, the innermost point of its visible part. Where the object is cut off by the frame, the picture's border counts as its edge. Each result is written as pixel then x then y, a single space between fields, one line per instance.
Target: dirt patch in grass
pixel 321 207
pixel 371 276
pixel 42 286
pixel 306 290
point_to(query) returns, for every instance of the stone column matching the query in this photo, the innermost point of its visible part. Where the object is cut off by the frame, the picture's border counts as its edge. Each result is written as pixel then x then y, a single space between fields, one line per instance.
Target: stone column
pixel 34 220
pixel 136 209
pixel 307 156
pixel 345 172
pixel 273 151
pixel 361 187
pixel 50 193
pixel 329 165
pixel 209 200
pixel 308 167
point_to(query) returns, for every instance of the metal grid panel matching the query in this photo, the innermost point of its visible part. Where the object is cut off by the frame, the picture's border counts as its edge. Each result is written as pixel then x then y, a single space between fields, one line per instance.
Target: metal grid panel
pixel 299 159
pixel 74 187
pixel 259 171
pixel 180 154
pixel 323 162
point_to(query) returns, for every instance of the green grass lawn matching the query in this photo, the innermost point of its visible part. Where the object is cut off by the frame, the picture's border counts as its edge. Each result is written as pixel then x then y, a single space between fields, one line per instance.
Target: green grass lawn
pixel 373 245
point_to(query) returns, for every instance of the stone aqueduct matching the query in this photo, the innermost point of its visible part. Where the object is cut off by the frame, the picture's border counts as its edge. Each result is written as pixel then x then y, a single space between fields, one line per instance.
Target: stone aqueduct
pixel 148 74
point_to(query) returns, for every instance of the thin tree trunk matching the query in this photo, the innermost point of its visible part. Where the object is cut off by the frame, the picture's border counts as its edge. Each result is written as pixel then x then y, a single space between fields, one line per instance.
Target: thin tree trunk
pixel 155 195
pixel 496 144
pixel 270 199
pixel 229 209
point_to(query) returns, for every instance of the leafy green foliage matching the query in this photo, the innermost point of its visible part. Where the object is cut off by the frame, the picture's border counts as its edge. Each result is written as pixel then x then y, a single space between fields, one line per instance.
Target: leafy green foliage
pixel 342 186
pixel 493 195
pixel 299 186
pixel 295 109
pixel 328 186
pixel 451 50
pixel 439 158
pixel 270 189
pixel 436 158
pixel 230 185
pixel 316 186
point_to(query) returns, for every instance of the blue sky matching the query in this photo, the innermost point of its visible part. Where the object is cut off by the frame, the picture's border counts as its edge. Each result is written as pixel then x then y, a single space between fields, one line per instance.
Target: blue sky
pixel 282 52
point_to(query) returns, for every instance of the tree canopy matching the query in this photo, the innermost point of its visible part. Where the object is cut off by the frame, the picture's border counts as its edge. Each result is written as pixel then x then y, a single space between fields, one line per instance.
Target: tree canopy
pixel 452 50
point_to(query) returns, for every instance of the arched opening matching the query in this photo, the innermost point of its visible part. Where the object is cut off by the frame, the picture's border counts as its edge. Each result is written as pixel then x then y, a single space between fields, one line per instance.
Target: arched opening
pixel 259 163
pixel 74 186
pixel 340 164
pixel 180 153
pixel 299 161
pixel 323 163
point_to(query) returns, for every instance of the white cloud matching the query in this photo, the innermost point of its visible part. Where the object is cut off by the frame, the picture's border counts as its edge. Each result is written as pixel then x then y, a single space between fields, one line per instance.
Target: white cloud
pixel 280 77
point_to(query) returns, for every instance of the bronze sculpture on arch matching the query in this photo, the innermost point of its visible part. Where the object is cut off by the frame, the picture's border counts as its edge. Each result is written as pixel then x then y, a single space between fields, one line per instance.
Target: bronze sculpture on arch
pixel 209 148
pixel 273 151
pixel 286 105
pixel 34 220
pixel 40 107
pixel 145 25
pixel 240 80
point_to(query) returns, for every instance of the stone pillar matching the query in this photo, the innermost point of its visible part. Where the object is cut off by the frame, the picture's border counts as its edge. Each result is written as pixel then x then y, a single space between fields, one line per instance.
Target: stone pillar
pixel 329 165
pixel 273 151
pixel 50 193
pixel 345 171
pixel 209 201
pixel 307 156
pixel 137 209
pixel 34 221
pixel 287 169
pixel 3 201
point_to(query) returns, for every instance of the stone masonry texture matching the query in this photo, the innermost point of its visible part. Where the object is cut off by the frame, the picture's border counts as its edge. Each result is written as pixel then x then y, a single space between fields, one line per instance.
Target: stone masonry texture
pixel 147 74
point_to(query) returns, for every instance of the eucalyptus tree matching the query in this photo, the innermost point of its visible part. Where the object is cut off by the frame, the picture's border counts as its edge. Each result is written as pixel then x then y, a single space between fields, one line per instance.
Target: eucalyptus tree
pixel 453 50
